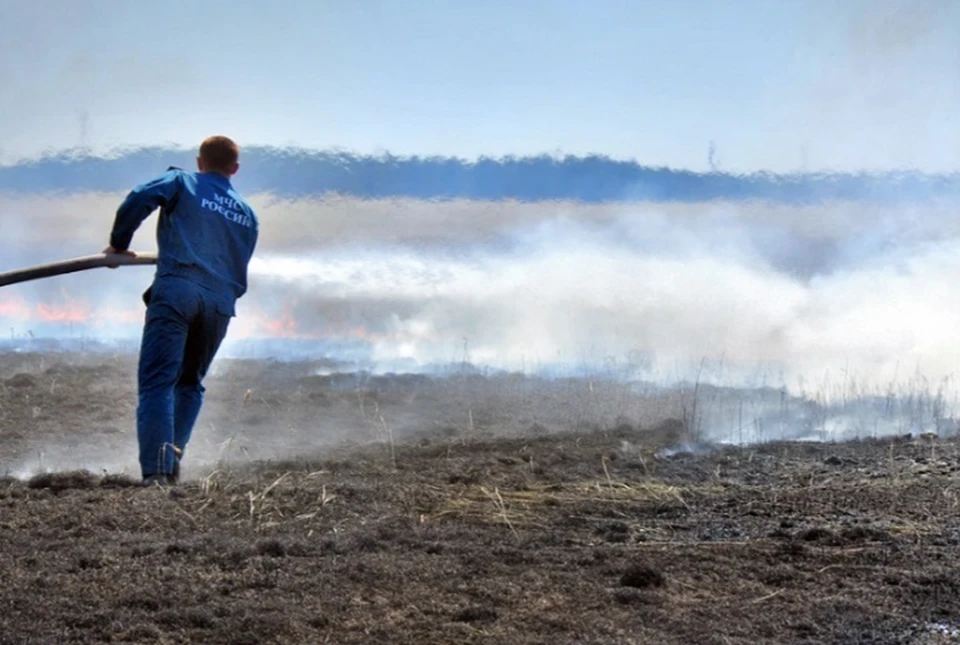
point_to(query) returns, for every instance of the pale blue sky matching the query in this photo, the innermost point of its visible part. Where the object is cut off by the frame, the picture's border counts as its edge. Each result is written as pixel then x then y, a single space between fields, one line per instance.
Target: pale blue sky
pixel 779 85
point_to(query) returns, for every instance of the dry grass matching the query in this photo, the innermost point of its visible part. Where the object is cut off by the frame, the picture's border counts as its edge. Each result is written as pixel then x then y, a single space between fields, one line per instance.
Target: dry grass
pixel 531 505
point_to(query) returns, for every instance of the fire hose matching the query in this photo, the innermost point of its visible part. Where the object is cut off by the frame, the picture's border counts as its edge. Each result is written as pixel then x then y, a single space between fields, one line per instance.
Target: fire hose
pixel 75 264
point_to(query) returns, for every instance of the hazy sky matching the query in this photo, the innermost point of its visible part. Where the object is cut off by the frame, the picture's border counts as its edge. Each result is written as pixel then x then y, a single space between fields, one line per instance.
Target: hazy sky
pixel 777 84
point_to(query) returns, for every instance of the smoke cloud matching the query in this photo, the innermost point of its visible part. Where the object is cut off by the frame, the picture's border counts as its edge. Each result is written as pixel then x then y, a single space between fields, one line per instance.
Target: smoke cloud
pixel 769 291
pixel 756 287
pixel 799 317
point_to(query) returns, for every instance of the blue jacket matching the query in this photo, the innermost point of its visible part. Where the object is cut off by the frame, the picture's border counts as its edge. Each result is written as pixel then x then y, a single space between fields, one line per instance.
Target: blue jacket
pixel 206 232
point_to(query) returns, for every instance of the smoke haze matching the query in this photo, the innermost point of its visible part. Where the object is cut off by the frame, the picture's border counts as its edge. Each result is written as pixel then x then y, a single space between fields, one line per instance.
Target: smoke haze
pixel 769 290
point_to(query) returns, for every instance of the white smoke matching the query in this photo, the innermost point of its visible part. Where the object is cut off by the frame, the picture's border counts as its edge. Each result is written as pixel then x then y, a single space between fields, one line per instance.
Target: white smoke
pixel 714 282
pixel 730 293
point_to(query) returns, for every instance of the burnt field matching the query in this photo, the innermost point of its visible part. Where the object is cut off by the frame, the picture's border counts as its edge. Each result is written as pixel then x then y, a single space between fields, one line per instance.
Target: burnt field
pixel 342 508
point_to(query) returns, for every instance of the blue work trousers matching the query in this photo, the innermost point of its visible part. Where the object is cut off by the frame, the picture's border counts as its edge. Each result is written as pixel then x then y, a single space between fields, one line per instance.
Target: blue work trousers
pixel 184 327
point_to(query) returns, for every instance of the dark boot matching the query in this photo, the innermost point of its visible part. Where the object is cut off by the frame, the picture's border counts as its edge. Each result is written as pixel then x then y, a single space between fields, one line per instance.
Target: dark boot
pixel 175 475
pixel 158 479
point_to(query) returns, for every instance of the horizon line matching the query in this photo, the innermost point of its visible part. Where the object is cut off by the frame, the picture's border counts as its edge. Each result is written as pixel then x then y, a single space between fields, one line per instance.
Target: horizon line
pixel 81 153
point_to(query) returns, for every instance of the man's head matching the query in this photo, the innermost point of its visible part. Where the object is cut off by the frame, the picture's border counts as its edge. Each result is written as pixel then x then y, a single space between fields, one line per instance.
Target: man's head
pixel 219 154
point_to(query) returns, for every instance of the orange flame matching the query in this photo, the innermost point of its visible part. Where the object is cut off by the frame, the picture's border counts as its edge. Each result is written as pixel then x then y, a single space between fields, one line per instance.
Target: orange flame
pixel 285 326
pixel 13 307
pixel 62 314
pixel 251 322
pixel 70 311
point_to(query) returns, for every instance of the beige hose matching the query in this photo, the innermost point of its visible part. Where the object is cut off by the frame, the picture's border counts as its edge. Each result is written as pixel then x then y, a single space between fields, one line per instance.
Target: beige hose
pixel 73 265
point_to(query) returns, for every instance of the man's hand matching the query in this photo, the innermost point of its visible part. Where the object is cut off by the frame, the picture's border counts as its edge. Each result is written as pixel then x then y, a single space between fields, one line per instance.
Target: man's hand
pixel 112 251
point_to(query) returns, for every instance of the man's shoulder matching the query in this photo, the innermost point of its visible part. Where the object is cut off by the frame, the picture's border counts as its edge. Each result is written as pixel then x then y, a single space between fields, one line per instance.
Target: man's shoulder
pixel 180 173
pixel 176 174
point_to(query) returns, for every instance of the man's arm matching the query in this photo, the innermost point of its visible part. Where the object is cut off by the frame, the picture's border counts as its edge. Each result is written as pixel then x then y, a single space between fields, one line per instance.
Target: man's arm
pixel 138 205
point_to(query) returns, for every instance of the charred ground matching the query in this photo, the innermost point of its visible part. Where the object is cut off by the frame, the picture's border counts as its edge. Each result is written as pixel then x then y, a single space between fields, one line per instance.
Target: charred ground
pixel 415 512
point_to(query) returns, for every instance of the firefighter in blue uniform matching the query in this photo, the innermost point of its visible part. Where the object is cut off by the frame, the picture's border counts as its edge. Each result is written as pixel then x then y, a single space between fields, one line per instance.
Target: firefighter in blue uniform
pixel 206 236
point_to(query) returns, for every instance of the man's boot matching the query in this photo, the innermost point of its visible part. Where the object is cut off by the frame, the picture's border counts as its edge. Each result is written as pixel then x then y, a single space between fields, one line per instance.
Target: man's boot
pixel 175 475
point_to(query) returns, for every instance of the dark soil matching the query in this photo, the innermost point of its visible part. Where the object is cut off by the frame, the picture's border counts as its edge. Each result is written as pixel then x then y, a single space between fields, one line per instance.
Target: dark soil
pixel 581 536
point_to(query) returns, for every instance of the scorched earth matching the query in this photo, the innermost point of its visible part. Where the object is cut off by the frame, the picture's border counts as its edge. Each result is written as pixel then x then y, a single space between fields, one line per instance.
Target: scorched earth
pixel 464 509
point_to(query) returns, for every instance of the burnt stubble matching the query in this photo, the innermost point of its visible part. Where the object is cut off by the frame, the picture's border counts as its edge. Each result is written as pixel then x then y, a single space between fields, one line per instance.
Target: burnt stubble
pixel 447 533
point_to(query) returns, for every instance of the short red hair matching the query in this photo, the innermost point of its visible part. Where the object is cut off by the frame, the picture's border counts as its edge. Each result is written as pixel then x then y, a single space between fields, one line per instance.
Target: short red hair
pixel 219 154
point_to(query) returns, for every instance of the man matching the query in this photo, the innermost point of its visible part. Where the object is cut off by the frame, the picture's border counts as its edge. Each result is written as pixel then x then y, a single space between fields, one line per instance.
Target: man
pixel 206 235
